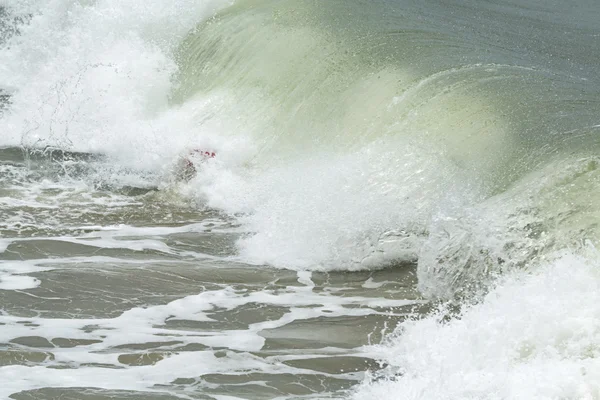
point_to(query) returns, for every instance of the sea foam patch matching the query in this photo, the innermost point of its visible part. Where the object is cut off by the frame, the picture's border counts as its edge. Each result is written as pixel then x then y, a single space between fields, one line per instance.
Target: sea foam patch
pixel 13 275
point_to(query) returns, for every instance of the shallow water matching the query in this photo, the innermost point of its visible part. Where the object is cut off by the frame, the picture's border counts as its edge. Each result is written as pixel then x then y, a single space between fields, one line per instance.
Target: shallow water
pixel 134 295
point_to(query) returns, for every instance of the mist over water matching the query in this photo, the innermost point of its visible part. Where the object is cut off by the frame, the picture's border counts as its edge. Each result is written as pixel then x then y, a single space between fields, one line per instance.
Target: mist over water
pixel 374 161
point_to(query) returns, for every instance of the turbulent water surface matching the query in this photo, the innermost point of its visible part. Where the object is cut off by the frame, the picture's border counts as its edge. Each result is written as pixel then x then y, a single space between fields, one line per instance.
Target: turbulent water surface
pixel 404 200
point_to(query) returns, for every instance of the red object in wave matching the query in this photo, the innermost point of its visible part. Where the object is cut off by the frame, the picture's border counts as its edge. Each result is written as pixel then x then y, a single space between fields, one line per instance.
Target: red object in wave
pixel 188 170
pixel 208 154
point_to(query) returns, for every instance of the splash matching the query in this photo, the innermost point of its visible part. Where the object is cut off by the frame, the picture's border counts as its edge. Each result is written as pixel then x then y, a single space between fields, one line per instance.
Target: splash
pixel 534 336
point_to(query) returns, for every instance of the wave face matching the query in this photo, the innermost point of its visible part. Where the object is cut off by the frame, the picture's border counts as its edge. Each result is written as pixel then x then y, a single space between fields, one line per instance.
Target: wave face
pixel 460 137
pixel 365 131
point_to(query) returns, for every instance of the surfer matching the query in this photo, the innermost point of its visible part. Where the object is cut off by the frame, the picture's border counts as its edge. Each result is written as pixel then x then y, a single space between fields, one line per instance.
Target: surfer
pixel 186 167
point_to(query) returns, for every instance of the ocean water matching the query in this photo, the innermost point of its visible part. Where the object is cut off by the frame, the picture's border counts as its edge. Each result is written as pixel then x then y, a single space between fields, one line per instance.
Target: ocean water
pixel 404 201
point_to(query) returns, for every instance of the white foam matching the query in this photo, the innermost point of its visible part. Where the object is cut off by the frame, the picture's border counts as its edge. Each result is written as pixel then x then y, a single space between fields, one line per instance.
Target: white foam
pixel 17 282
pixel 4 243
pixel 535 336
pixel 12 275
pixel 305 278
pixel 344 211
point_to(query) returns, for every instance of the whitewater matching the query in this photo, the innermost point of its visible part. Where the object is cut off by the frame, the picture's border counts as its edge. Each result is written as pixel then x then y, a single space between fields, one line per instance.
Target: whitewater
pixel 404 201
